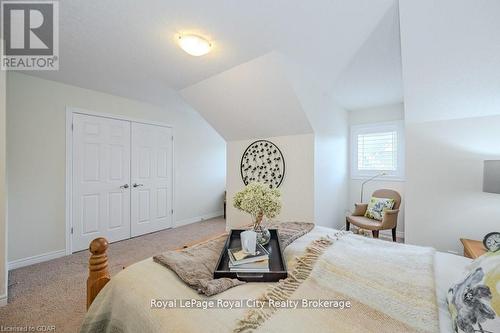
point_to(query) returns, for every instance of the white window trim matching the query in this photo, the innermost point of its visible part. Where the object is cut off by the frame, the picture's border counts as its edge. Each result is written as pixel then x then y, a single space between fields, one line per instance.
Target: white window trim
pixel 399 174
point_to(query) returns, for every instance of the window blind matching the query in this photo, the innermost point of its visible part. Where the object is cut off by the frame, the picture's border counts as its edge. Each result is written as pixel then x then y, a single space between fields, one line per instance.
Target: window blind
pixel 378 151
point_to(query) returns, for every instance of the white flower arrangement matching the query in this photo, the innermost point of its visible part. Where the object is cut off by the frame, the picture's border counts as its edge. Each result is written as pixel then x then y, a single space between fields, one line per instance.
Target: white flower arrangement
pixel 258 200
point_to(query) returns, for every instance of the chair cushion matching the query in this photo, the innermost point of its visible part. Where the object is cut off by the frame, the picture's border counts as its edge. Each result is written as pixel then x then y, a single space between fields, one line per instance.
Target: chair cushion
pixel 474 303
pixel 376 207
pixel 364 222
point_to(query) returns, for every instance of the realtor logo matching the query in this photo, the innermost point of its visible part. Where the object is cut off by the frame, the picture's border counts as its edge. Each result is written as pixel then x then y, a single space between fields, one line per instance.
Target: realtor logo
pixel 30 33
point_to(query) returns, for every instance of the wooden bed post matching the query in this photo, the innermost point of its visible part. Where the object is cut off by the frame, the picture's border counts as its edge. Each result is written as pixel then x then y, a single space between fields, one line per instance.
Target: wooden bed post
pixel 98 269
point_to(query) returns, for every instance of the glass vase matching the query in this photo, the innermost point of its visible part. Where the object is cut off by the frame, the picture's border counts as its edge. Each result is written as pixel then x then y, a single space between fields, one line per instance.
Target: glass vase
pixel 263 234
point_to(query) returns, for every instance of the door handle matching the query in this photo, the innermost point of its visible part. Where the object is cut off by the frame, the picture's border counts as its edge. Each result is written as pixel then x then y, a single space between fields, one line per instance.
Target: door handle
pixel 124 186
pixel 137 185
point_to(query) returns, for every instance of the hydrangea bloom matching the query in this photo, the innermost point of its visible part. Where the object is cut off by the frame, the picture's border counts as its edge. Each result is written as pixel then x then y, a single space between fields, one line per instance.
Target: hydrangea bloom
pixel 258 200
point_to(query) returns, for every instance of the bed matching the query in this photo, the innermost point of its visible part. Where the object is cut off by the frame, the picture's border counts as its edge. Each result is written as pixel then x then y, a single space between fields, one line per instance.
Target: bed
pixel 147 281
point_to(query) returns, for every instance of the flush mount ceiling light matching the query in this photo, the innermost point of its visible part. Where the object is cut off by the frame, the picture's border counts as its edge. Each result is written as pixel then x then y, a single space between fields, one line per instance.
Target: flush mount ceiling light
pixel 194 45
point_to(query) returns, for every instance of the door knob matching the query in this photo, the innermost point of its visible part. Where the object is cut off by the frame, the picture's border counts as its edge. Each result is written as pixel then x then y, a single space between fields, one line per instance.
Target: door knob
pixel 137 185
pixel 124 186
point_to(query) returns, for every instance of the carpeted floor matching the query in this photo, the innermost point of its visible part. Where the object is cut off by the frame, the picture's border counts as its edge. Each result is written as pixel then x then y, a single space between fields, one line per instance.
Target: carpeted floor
pixel 53 292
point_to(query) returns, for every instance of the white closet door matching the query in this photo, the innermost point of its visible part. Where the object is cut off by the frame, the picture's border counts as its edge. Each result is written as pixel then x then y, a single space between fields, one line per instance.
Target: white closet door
pixel 151 179
pixel 101 175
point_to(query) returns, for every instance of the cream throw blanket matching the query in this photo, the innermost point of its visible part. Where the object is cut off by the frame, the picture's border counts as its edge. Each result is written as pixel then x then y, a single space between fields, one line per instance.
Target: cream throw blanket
pixel 390 287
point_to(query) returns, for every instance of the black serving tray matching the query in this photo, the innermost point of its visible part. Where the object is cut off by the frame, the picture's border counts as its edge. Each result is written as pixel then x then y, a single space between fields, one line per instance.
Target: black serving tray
pixel 277 265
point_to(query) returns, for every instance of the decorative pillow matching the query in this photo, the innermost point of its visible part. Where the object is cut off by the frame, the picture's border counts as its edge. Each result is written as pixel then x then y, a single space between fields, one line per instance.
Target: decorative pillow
pixel 377 206
pixel 474 303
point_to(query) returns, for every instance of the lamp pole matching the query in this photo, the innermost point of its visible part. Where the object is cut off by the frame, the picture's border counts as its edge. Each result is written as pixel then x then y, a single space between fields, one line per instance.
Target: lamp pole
pixel 369 180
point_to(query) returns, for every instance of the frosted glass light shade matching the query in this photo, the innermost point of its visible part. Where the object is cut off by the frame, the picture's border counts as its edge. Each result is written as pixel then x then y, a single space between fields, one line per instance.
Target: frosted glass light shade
pixel 194 45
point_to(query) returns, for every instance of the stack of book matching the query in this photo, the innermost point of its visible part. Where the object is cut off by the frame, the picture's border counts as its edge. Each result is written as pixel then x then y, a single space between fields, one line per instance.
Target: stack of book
pixel 240 261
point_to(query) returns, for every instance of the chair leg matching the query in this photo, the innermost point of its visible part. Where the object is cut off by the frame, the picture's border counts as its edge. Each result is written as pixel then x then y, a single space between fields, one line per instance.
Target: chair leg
pixel 394 234
pixel 375 233
pixel 347 225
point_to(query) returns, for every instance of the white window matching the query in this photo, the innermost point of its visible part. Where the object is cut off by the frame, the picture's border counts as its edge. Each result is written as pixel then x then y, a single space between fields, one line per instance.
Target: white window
pixel 377 148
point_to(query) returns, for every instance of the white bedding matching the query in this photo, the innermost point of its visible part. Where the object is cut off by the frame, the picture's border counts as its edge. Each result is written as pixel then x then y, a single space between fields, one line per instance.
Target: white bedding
pixel 164 284
pixel 449 269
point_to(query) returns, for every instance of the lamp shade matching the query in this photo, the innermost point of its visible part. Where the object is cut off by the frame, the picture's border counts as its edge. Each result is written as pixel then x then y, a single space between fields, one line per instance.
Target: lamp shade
pixel 491 179
pixel 194 45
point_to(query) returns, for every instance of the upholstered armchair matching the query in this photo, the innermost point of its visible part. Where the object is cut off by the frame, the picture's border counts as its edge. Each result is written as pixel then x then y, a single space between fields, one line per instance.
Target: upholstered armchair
pixel 389 220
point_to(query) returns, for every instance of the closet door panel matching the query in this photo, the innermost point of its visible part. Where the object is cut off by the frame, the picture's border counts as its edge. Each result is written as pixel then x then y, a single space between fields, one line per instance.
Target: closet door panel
pixel 151 198
pixel 101 179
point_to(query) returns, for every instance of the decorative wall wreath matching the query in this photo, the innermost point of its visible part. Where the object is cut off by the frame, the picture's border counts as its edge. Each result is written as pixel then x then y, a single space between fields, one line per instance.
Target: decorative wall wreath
pixel 263 162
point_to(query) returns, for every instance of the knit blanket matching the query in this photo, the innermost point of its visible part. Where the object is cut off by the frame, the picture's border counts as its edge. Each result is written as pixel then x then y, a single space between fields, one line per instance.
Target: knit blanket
pixel 195 265
pixel 358 285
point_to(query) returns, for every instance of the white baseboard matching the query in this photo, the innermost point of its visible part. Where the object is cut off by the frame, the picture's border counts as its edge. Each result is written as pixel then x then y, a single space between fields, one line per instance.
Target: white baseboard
pixel 61 253
pixel 3 300
pixel 198 218
pixel 36 259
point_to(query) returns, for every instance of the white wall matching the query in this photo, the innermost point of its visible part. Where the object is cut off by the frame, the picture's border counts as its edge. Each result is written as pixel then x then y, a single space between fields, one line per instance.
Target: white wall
pixel 3 197
pixel 451 70
pixel 330 126
pixel 377 114
pixel 297 187
pixel 273 96
pixel 369 116
pixel 330 174
pixel 36 149
pixel 444 198
pixel 451 58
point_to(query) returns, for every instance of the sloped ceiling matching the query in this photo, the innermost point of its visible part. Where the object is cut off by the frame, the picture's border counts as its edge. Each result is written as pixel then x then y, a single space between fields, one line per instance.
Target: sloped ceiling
pixel 373 77
pixel 451 58
pixel 251 100
pixel 266 96
pixel 128 48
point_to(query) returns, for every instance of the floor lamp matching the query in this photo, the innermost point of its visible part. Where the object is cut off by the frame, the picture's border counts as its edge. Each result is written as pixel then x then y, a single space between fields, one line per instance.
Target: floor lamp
pixel 369 180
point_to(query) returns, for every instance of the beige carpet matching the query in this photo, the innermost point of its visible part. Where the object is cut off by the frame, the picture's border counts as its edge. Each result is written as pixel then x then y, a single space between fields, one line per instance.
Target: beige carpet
pixel 53 292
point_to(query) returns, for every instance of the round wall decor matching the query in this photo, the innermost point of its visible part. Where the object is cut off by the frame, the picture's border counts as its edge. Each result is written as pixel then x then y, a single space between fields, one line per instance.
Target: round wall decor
pixel 263 162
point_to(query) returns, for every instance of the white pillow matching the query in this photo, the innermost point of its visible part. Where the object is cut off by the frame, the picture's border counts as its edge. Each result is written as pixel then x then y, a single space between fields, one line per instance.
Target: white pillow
pixel 474 303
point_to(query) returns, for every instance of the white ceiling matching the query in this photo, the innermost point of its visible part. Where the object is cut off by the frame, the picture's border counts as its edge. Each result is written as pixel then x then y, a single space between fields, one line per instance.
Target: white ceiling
pixel 252 100
pixel 373 77
pixel 128 48
pixel 451 58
